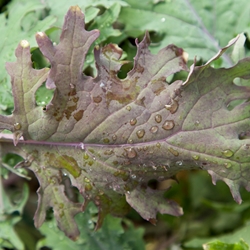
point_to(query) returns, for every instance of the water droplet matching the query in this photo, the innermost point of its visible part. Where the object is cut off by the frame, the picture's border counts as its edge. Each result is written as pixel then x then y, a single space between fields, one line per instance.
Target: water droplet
pixel 61 205
pixel 102 84
pixel 228 153
pixel 17 126
pixel 163 19
pixel 82 145
pixel 154 167
pixel 128 108
pixel 114 137
pixel 106 140
pixel 165 168
pixel 158 118
pixel 179 163
pixel 86 156
pixel 130 152
pixel 169 124
pixel 88 187
pixel 133 176
pixel 196 157
pixel 158 145
pixel 130 141
pixel 154 129
pixel 72 86
pixel 133 121
pixel 228 165
pixel 172 107
pixel 86 180
pixel 196 123
pixel 128 192
pixel 173 151
pixel 61 213
pixel 140 133
pixel 109 152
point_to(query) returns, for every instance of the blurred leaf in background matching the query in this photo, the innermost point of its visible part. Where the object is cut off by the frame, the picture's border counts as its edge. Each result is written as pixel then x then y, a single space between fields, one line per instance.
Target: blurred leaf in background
pixel 114 234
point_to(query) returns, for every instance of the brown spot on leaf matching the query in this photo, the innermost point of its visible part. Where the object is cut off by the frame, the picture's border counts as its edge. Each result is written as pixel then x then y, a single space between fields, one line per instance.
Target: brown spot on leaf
pixel 65 162
pixel 72 92
pixel 75 99
pixel 78 115
pixel 140 102
pixel 69 111
pixel 139 68
pixel 97 99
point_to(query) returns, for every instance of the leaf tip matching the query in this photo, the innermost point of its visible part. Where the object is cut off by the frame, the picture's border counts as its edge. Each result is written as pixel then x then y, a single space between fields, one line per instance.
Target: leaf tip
pixel 75 9
pixel 24 44
pixel 40 34
pixel 185 56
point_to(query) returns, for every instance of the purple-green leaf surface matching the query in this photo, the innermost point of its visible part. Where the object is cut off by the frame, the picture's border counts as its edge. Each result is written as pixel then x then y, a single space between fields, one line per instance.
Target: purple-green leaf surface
pixel 112 136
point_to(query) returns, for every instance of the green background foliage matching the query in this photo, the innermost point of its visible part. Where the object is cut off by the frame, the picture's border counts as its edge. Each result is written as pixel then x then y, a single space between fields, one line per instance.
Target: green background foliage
pixel 211 219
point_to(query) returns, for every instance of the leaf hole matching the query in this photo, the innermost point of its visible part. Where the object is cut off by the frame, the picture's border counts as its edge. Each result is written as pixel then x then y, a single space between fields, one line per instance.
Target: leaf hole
pixel 244 135
pixel 153 183
pixel 43 96
pixel 122 74
pixel 38 60
pixel 234 103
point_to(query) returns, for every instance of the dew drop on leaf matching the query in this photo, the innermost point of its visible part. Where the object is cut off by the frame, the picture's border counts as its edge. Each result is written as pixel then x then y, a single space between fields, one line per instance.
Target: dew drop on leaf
pixel 133 176
pixel 88 187
pixel 106 140
pixel 173 151
pixel 228 165
pixel 172 107
pixel 86 156
pixel 158 145
pixel 61 205
pixel 154 129
pixel 86 180
pixel 130 141
pixel 179 163
pixel 82 145
pixel 158 118
pixel 17 126
pixel 167 125
pixel 196 123
pixel 130 152
pixel 128 108
pixel 114 137
pixel 140 133
pixel 228 153
pixel 109 152
pixel 196 157
pixel 133 121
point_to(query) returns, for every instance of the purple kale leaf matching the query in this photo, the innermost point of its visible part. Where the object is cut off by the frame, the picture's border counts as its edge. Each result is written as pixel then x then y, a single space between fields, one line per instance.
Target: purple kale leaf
pixel 112 136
